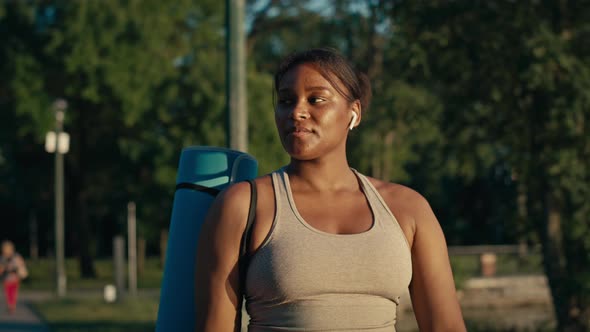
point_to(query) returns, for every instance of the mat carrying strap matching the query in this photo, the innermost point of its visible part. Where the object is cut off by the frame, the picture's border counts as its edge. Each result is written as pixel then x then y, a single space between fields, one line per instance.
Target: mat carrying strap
pixel 247 235
pixel 197 187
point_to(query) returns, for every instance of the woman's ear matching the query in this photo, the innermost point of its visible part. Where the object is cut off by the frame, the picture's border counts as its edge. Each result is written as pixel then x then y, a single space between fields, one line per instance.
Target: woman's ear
pixel 353 121
pixel 356 114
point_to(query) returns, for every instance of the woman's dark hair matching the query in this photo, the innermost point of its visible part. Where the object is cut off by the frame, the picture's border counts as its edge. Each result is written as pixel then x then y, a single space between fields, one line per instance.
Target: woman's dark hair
pixel 334 68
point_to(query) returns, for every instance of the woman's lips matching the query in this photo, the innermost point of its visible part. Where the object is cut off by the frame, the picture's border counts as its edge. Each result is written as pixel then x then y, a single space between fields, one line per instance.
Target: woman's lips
pixel 299 131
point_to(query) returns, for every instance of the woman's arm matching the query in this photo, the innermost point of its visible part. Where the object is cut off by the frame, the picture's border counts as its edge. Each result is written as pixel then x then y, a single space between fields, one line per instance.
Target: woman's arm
pixel 21 267
pixel 432 288
pixel 217 294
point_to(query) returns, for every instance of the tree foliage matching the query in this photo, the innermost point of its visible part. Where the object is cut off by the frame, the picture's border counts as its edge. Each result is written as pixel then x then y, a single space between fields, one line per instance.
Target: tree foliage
pixel 482 106
pixel 514 80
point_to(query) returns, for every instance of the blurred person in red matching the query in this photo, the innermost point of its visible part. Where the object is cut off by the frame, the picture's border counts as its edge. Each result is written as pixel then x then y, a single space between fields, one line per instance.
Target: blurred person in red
pixel 12 270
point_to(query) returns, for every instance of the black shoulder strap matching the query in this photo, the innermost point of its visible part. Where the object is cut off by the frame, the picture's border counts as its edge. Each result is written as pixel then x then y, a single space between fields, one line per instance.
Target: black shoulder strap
pixel 244 244
pixel 197 187
pixel 246 236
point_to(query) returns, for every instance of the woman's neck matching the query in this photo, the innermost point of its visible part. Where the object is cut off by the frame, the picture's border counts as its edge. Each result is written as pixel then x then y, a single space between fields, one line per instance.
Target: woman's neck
pixel 321 176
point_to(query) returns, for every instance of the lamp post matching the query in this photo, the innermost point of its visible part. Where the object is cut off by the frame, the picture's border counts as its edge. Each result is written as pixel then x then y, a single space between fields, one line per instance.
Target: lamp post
pixel 236 97
pixel 58 142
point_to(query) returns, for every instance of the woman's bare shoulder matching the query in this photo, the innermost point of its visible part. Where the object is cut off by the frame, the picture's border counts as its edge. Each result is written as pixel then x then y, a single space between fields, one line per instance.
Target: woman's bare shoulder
pixel 234 196
pixel 264 182
pixel 234 201
pixel 408 206
pixel 398 194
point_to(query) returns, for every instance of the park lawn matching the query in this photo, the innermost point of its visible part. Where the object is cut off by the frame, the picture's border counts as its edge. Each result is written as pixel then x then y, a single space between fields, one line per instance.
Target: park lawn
pixel 79 313
pixel 42 274
pixel 93 314
pixel 139 314
pixel 467 266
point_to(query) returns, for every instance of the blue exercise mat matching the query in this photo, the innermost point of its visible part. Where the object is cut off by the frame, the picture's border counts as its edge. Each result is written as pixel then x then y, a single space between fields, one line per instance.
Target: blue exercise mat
pixel 202 172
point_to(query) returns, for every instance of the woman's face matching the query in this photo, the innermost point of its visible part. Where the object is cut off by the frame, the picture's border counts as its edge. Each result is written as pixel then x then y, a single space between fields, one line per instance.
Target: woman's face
pixel 312 117
pixel 7 249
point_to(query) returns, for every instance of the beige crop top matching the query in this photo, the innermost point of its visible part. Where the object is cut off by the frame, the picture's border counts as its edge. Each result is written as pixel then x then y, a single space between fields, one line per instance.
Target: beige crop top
pixel 303 279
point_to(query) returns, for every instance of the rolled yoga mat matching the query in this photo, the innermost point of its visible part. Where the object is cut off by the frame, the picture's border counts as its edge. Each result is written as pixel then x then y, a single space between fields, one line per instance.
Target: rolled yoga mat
pixel 202 172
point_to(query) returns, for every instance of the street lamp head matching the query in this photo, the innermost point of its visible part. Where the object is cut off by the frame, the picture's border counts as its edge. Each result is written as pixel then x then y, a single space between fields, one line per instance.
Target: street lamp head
pixel 60 105
pixel 59 115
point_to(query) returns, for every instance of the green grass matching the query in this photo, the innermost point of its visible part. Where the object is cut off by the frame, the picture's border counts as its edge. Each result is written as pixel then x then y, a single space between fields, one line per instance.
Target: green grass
pixel 42 274
pixel 138 315
pixel 467 266
pixel 73 315
pixel 103 327
pixel 489 327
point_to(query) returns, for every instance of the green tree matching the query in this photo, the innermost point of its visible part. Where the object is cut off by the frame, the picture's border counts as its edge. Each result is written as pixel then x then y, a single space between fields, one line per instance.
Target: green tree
pixel 143 79
pixel 514 81
pixel 399 138
pixel 401 112
pixel 25 187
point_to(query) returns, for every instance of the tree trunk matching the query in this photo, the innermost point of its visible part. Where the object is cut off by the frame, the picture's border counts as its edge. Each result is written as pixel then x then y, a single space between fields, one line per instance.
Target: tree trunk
pixel 163 245
pixel 376 160
pixel 554 257
pixel 387 156
pixel 80 219
pixel 140 255
pixel 33 236
pixel 523 216
pixel 84 241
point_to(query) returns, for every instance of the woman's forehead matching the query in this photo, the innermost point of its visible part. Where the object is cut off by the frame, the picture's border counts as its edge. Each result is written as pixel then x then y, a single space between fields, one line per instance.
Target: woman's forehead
pixel 306 74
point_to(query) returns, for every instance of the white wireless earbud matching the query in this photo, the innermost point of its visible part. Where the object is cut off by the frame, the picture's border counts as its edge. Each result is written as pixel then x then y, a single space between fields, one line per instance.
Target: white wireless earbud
pixel 353 122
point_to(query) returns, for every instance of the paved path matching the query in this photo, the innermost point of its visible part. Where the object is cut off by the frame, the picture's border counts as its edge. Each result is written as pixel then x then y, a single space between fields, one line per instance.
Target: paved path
pixel 24 319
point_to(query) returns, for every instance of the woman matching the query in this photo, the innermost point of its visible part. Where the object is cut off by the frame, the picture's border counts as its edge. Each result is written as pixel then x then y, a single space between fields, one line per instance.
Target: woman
pixel 331 249
pixel 12 269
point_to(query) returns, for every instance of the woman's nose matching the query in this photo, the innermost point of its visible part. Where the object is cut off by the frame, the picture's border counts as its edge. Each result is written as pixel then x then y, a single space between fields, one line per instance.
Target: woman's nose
pixel 300 111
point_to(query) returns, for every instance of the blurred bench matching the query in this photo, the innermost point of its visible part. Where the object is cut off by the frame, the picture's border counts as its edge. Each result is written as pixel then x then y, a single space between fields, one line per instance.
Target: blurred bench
pixel 488 254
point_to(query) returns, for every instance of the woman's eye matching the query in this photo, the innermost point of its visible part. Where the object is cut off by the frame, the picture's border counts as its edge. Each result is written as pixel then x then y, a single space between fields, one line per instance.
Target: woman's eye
pixel 285 101
pixel 315 100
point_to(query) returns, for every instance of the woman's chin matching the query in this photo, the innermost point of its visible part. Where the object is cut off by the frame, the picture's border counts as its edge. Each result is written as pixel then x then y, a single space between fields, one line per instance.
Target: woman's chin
pixel 302 155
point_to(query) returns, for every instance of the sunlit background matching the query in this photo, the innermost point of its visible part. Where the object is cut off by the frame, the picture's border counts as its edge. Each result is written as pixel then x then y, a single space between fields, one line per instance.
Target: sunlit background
pixel 481 106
